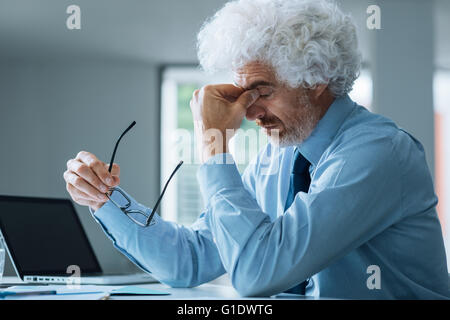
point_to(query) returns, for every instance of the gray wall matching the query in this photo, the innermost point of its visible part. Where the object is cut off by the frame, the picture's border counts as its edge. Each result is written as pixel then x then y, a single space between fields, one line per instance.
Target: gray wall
pixel 50 111
pixel 402 65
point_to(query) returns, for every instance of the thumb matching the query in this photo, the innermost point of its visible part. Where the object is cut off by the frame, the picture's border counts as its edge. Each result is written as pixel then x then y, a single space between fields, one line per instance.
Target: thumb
pixel 246 99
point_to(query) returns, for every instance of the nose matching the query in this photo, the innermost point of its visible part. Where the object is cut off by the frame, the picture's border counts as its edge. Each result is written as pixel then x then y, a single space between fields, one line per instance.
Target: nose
pixel 254 112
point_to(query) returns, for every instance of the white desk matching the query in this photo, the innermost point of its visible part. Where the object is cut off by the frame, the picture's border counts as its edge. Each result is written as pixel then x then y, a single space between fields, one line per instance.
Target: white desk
pixel 205 291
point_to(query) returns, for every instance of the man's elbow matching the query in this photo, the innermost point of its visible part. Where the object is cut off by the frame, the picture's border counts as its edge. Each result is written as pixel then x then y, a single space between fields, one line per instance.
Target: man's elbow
pixel 248 286
pixel 178 282
pixel 247 291
pixel 177 279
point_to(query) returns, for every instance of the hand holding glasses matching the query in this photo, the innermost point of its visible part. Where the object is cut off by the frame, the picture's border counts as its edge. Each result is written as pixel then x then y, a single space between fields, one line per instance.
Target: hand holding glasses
pixel 140 216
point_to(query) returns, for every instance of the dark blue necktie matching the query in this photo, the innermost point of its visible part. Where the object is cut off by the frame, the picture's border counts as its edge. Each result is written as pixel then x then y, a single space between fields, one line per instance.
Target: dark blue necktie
pixel 299 181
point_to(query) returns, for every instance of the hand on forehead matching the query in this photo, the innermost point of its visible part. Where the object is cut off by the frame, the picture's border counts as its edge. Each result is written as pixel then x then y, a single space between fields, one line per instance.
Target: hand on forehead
pixel 255 75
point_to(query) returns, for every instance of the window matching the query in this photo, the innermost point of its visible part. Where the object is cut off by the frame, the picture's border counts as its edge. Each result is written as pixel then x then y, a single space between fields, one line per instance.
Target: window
pixel 178 143
pixel 362 89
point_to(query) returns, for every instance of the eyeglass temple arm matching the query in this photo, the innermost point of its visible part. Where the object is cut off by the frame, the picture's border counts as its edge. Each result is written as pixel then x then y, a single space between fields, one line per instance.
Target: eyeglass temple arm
pixel 117 144
pixel 162 193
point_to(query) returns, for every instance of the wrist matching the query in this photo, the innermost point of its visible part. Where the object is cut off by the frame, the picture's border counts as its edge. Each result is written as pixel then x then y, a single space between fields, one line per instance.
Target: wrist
pixel 210 150
pixel 97 205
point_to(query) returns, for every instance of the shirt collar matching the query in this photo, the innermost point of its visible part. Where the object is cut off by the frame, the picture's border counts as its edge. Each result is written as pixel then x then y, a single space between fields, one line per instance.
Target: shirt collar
pixel 326 129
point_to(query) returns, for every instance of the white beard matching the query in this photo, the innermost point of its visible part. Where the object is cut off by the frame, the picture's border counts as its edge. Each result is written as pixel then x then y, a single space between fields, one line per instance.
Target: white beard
pixel 299 128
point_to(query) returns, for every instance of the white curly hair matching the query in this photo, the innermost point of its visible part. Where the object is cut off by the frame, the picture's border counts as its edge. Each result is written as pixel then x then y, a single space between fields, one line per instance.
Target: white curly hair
pixel 306 42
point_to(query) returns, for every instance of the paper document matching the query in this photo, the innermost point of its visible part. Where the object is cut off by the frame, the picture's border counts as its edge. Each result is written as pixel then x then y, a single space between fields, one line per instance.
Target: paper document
pixel 132 290
pixel 85 292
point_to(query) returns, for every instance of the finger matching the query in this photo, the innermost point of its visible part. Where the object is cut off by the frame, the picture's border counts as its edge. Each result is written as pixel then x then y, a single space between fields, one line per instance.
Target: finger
pixel 195 94
pixel 82 198
pixel 225 90
pixel 82 170
pixel 84 186
pixel 97 166
pixel 248 98
pixel 78 195
pixel 115 172
pixel 92 204
pixel 195 97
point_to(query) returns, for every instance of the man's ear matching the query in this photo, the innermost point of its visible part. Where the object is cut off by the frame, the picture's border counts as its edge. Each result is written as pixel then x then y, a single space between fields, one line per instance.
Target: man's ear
pixel 319 90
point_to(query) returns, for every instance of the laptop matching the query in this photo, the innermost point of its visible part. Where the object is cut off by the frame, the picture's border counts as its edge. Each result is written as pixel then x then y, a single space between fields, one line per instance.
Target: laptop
pixel 47 244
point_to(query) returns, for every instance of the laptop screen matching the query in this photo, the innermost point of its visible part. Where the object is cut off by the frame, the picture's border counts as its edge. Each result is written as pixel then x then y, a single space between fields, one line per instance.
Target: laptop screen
pixel 45 236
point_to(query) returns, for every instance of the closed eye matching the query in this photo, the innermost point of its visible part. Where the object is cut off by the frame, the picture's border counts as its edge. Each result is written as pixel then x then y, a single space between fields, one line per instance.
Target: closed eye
pixel 265 92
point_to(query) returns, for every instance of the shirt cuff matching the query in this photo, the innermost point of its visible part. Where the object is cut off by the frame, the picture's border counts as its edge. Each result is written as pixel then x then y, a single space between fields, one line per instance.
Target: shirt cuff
pixel 112 218
pixel 217 173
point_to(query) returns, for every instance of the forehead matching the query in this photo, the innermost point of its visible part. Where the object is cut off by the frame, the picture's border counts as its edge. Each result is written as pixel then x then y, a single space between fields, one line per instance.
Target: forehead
pixel 252 74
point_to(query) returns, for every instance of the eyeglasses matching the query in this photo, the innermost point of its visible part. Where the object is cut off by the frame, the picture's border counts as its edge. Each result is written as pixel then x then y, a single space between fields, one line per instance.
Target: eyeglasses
pixel 137 213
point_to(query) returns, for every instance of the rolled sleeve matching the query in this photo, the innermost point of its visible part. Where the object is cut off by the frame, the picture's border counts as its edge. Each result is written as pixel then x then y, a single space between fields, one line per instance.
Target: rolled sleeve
pixel 176 255
pixel 111 217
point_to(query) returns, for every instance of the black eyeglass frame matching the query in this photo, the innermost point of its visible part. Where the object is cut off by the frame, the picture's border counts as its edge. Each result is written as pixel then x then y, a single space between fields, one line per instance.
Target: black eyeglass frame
pixel 125 209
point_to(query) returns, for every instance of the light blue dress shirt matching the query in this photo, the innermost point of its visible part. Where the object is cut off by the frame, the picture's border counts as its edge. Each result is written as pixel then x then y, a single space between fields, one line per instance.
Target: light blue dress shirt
pixel 367 228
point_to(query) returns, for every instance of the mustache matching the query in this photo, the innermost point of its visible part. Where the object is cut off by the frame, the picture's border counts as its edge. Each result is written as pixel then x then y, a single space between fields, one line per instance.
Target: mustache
pixel 265 122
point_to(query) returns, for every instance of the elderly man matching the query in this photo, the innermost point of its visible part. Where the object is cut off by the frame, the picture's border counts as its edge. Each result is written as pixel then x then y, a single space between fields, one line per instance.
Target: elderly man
pixel 339 204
